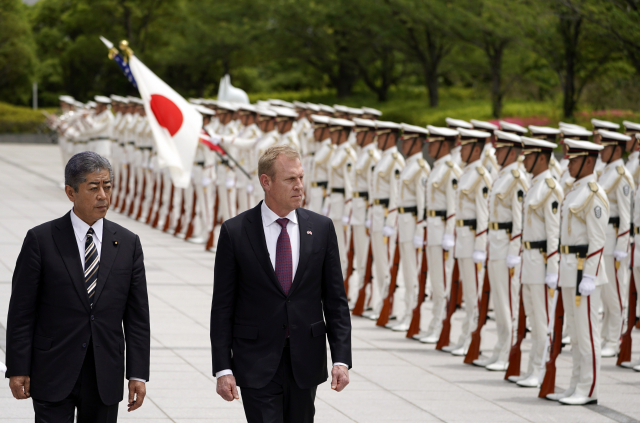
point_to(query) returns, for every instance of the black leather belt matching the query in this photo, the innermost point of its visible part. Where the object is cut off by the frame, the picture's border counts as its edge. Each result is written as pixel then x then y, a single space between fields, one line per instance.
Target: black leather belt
pixel 615 221
pixel 337 190
pixel 145 148
pixel 198 163
pixel 535 245
pixel 131 143
pixel 496 226
pixel 471 223
pixel 381 202
pixel 322 184
pixel 579 250
pixel 361 194
pixel 99 139
pixel 437 213
pixel 413 210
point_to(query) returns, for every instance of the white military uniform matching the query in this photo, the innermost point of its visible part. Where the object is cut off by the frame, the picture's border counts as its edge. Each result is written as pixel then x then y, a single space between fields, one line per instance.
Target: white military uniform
pixel 99 134
pixel 584 218
pixel 320 176
pixel 617 183
pixel 489 161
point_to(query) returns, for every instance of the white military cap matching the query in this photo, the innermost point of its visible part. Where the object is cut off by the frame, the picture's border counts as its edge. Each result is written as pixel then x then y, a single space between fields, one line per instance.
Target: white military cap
pixel 135 100
pixel 326 109
pixel 631 127
pixel 604 124
pixel 457 123
pixel 437 133
pixel 355 112
pixel 544 132
pixel 227 106
pixel 384 125
pixel 612 138
pixel 582 148
pixel 563 125
pixel 204 110
pixel 468 136
pixel 92 104
pixel 535 145
pixel 575 133
pixel 247 107
pixel 102 99
pixel 281 103
pixel 120 99
pixel 507 139
pixel 512 127
pixel 265 112
pixel 340 108
pixel 479 124
pixel 412 129
pixel 370 111
pixel 313 107
pixel 300 105
pixel 320 121
pixel 368 123
pixel 337 124
pixel 67 99
pixel 195 101
pixel 284 112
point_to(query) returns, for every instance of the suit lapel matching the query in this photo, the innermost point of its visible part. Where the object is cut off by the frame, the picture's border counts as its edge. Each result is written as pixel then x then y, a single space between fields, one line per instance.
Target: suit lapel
pixel 255 231
pixel 306 246
pixel 107 256
pixel 65 239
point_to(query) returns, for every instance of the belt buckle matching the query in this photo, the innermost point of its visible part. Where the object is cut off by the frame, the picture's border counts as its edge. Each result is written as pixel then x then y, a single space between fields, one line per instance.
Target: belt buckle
pixel 564 249
pixel 314 184
pixel 356 194
pixel 376 201
pixel 460 222
pixel 431 213
pixel 493 226
pixel 527 245
pixel 400 209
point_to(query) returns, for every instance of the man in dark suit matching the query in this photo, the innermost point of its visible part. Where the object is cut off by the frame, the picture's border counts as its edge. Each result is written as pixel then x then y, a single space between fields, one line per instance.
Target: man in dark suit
pixel 78 281
pixel 278 295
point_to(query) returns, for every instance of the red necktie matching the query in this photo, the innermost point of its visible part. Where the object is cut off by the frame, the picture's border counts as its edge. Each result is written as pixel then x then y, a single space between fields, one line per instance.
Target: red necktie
pixel 284 265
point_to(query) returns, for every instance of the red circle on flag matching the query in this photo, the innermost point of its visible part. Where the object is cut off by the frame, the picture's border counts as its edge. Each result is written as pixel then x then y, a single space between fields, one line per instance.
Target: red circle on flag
pixel 167 113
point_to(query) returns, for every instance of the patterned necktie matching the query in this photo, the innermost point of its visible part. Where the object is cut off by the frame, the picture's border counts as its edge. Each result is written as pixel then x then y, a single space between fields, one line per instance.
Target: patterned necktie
pixel 91 264
pixel 284 266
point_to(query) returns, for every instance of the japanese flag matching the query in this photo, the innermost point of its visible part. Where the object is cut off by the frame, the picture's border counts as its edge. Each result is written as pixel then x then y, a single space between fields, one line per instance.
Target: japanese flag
pixel 175 123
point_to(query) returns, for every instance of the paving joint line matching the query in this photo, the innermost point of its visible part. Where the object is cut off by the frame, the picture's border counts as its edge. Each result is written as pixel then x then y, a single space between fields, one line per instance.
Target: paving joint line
pixel 26 169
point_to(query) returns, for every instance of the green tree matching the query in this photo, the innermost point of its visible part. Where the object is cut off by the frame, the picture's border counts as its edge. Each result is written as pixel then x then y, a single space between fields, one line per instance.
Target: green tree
pixel 17 53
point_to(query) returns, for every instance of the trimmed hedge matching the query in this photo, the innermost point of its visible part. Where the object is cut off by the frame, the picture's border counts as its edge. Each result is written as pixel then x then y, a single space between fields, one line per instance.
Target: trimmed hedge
pixel 19 119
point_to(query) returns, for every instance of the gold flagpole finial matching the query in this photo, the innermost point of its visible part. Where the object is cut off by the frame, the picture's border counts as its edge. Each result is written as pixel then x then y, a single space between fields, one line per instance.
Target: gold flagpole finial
pixel 112 53
pixel 126 50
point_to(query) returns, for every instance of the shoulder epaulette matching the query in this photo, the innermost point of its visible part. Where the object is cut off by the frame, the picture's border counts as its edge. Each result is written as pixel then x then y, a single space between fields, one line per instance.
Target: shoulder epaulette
pixel 551 183
pixel 515 173
pixel 422 163
pixel 449 163
pixel 487 153
pixel 593 186
pixel 620 169
pixel 480 170
pixel 395 156
pixel 371 153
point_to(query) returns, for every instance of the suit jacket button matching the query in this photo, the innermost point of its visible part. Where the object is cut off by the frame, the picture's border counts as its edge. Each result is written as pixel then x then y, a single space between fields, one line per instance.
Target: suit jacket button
pixel 92 318
pixel 84 345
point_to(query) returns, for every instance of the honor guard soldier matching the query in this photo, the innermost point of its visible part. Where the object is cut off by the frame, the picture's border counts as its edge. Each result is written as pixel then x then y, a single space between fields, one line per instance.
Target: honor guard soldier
pixel 411 222
pixel 573 132
pixel 99 133
pixel 617 183
pixel 514 128
pixel 472 219
pixel 442 184
pixel 266 121
pixel 632 129
pixel 340 169
pixel 505 231
pixel 319 172
pixel 635 364
pixel 455 124
pixel 368 156
pixel 284 124
pixel 489 152
pixel 384 195
pixel 540 258
pixel 549 134
pixel 583 227
pixel 597 126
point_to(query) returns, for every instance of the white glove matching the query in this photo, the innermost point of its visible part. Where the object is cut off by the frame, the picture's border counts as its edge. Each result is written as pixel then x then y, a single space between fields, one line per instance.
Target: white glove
pixel 479 256
pixel 3 368
pixel 151 167
pixel 620 255
pixel 325 211
pixel 512 261
pixel 206 181
pixel 215 139
pixel 367 223
pixel 587 285
pixel 388 231
pixel 249 188
pixel 230 183
pixel 345 220
pixel 448 242
pixel 551 280
pixel 418 242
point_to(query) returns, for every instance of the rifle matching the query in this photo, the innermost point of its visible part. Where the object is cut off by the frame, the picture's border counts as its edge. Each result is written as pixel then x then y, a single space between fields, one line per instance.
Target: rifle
pixel 625 344
pixel 349 263
pixel 160 203
pixel 474 348
pixel 549 383
pixel 191 225
pixel 358 309
pixel 153 198
pixel 547 342
pixel 134 196
pixel 213 227
pixel 387 304
pixel 126 190
pixel 167 221
pixel 452 304
pixel 183 210
pixel 142 194
pixel 414 327
pixel 515 355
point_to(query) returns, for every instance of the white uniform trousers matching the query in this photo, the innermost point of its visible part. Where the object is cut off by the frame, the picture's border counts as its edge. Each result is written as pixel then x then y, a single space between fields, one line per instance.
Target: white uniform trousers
pixel 382 277
pixel 471 279
pixel 440 286
pixel 342 247
pixel 501 292
pixel 536 308
pixel 409 263
pixel 613 295
pixel 316 198
pixel 200 223
pixel 101 147
pixel 226 202
pixel 166 198
pixel 585 341
pixel 361 250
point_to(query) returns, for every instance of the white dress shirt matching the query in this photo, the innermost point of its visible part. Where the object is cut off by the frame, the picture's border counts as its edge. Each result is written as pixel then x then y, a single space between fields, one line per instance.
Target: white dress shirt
pixel 80 229
pixel 272 231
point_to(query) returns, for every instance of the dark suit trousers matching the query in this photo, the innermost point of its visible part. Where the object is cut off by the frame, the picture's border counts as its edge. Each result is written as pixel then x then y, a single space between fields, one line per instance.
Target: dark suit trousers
pixel 84 396
pixel 281 401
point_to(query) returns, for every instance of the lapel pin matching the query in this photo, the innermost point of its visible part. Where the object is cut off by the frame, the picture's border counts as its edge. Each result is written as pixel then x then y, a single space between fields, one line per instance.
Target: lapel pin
pixel 309 233
pixel 115 242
